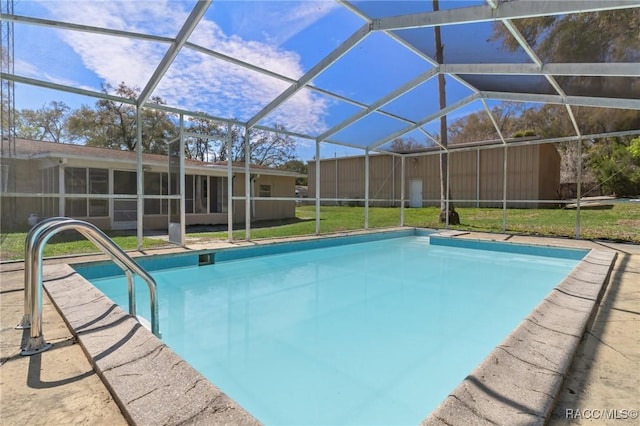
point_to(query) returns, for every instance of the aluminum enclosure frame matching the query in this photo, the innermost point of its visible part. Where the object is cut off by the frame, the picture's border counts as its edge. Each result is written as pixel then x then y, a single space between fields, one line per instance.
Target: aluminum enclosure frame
pixel 493 10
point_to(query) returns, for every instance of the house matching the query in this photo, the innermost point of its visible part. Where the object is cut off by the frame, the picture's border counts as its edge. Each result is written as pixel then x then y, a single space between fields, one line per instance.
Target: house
pixel 476 178
pixel 302 191
pixel 98 185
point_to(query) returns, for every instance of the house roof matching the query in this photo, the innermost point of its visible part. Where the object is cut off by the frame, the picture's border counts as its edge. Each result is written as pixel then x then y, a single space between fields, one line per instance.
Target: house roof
pixel 30 149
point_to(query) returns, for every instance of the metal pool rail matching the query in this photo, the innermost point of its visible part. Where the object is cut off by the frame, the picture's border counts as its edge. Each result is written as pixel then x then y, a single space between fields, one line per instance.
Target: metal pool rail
pixel 34 246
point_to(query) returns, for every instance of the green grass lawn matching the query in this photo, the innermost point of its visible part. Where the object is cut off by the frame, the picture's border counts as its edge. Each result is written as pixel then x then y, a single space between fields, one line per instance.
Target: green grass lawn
pixel 68 243
pixel 620 223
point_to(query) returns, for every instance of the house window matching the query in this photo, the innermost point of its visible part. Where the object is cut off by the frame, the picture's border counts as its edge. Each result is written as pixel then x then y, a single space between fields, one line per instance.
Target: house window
pixel 196 194
pixel 218 200
pixel 155 184
pixel 75 180
pixel 152 187
pixel 201 194
pixel 188 193
pixel 124 182
pixel 81 180
pixel 49 178
pixel 75 207
pixel 98 181
pixel 98 208
pixel 265 191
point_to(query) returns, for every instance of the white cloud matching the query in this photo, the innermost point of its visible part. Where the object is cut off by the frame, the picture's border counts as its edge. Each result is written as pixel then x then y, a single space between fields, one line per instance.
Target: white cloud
pixel 26 69
pixel 284 23
pixel 195 81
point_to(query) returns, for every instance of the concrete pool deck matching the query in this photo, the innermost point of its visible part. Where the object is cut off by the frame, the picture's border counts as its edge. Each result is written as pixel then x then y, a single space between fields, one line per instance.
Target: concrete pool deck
pixel 59 386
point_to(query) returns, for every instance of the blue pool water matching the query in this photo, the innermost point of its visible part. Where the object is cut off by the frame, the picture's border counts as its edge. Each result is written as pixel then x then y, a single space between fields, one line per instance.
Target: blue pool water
pixel 368 333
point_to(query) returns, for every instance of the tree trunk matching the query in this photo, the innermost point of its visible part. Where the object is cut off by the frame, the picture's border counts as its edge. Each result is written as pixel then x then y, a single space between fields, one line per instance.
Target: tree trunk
pixel 454 219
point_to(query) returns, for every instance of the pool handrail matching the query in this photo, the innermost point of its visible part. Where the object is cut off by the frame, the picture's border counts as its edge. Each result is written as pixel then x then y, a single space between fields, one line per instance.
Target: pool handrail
pixel 33 233
pixel 38 239
pixel 28 247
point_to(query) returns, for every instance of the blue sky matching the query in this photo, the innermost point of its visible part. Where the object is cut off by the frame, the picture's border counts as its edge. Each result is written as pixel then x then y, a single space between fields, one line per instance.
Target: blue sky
pixel 285 37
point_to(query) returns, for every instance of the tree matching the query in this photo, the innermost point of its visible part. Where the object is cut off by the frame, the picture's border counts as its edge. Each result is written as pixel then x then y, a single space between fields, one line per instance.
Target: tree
pixel 478 126
pixel 266 148
pixel 403 145
pixel 210 147
pixel 298 167
pixel 48 123
pixel 616 168
pixel 606 36
pixel 447 213
pixel 597 37
pixel 634 148
pixel 113 124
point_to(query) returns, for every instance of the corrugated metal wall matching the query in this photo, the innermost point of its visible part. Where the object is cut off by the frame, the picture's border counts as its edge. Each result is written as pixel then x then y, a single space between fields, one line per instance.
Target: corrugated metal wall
pixel 476 177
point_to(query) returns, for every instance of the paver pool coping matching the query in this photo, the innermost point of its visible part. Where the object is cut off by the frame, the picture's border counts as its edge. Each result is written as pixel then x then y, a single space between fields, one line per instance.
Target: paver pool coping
pixel 517 382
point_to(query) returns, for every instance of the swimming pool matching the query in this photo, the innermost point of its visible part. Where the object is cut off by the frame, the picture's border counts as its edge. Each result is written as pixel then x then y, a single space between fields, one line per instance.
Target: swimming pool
pixel 376 333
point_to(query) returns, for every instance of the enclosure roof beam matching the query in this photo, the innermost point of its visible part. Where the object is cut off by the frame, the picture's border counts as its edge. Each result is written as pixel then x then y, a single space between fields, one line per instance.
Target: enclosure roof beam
pixel 381 102
pixel 281 77
pixel 473 146
pixel 349 145
pixel 430 136
pixel 124 100
pixel 183 35
pixel 570 100
pixel 148 37
pixel 522 41
pixel 347 4
pixel 550 78
pixel 508 10
pixel 225 120
pixel 166 108
pixel 431 117
pixel 65 88
pixel 493 120
pixel 19 19
pixel 556 69
pixel 321 66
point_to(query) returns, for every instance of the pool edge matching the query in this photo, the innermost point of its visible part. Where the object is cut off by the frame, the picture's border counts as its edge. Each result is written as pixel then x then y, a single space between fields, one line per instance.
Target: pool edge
pixel 518 382
pixel 576 287
pixel 150 383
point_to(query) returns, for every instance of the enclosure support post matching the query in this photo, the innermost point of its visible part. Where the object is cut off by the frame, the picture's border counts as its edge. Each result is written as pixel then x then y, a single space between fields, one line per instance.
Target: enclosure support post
pixel 504 191
pixel 366 189
pixel 335 177
pixel 447 192
pixel 229 143
pixel 247 187
pixel 181 185
pixel 140 180
pixel 402 189
pixel 579 188
pixel 61 203
pixel 477 178
pixel 393 181
pixel 317 187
